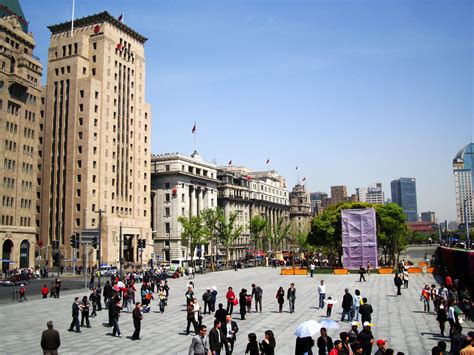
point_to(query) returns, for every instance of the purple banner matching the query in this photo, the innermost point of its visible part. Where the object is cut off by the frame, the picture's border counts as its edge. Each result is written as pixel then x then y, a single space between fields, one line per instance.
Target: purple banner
pixel 359 238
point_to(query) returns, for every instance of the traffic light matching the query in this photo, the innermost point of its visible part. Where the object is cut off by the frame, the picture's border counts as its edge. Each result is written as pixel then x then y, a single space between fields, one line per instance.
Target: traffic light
pixel 56 259
pixel 73 241
pixel 143 243
pixel 55 244
pixel 78 240
pixel 94 242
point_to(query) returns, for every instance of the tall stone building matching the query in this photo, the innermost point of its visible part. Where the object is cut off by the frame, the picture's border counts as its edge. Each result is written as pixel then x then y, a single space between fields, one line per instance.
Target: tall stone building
pixel 181 185
pixel 96 138
pixel 463 171
pixel 338 194
pixel 300 212
pixel 20 80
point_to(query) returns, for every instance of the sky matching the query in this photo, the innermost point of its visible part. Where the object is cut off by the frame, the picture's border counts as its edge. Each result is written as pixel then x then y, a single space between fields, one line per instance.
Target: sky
pixel 352 92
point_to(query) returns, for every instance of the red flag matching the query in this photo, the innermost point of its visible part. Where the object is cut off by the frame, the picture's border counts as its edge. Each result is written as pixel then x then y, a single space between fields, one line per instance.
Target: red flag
pixel 248 177
pixel 120 17
pixel 118 46
pixel 230 162
pixel 268 161
pixel 194 128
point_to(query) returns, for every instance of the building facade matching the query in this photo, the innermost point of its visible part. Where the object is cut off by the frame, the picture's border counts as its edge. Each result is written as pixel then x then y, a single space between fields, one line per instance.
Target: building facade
pixel 372 194
pixel 234 198
pixel 181 185
pixel 20 94
pixel 404 195
pixel 318 201
pixel 300 213
pixel 96 140
pixel 463 170
pixel 338 194
pixel 428 217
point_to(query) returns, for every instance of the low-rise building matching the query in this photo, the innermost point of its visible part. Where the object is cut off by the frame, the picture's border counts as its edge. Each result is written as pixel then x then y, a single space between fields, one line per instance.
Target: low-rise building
pixel 300 212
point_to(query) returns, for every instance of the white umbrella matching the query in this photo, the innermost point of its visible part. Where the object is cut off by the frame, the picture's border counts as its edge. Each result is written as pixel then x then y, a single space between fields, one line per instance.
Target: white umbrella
pixel 330 301
pixel 120 284
pixel 307 329
pixel 214 288
pixel 329 324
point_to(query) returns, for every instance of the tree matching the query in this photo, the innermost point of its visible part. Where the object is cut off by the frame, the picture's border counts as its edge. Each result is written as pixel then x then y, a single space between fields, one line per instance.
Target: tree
pixel 256 226
pixel 392 232
pixel 280 234
pixel 302 241
pixel 209 217
pixel 193 234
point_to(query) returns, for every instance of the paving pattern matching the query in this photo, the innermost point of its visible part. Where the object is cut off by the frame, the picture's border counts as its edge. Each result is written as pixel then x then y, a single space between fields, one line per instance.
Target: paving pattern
pixel 400 320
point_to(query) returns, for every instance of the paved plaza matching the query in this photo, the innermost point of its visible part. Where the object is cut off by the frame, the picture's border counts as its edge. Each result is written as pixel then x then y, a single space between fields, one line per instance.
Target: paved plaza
pixel 400 320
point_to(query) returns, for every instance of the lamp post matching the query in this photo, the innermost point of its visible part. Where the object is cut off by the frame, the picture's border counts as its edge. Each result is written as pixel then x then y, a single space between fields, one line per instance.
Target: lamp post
pixel 99 245
pixel 120 250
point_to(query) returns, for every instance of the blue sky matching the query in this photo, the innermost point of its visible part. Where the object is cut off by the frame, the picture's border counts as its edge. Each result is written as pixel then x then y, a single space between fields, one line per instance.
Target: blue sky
pixel 351 92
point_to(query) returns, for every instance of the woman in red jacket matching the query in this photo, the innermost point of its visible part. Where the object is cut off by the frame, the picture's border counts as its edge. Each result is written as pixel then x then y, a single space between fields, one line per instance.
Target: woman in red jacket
pixel 230 295
pixel 45 291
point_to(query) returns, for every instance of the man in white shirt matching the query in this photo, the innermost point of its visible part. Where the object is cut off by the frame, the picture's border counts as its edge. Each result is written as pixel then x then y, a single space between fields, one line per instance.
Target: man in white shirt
pixel 311 268
pixel 322 294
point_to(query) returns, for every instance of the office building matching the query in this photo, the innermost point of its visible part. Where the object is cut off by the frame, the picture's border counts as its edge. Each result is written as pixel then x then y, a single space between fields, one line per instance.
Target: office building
pixel 463 170
pixel 404 195
pixel 428 217
pixel 318 199
pixel 338 194
pixel 372 194
pixel 20 96
pixel 96 145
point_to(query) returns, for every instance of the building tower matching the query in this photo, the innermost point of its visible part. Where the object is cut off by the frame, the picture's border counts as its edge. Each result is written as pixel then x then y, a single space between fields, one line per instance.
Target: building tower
pixel 463 170
pixel 20 78
pixel 404 195
pixel 96 139
pixel 300 212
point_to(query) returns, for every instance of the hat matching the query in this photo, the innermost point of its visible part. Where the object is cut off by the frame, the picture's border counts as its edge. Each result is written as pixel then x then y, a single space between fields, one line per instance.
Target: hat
pixel 381 342
pixel 367 324
pixel 355 323
pixel 22 285
pixel 208 288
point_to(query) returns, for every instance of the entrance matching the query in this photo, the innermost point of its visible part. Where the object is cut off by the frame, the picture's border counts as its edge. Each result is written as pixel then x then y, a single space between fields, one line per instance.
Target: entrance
pixel 25 254
pixel 6 254
pixel 128 248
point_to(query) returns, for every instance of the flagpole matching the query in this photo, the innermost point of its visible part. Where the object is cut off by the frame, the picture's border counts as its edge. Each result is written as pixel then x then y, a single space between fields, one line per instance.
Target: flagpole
pixel 297 176
pixel 72 17
pixel 195 139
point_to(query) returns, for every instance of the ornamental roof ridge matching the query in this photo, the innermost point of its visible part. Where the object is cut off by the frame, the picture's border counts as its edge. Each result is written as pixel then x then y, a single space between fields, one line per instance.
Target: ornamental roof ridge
pixel 94 19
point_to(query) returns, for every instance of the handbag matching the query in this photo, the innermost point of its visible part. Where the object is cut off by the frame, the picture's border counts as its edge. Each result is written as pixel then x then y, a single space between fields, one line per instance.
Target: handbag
pixel 235 301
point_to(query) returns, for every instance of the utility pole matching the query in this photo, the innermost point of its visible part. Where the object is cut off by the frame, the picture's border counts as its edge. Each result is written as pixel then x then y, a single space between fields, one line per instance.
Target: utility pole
pixel 120 249
pixel 86 251
pixel 100 243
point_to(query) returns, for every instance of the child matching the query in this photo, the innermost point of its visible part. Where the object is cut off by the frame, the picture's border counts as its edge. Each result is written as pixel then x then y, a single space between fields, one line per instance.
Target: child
pixel 329 307
pixel 252 346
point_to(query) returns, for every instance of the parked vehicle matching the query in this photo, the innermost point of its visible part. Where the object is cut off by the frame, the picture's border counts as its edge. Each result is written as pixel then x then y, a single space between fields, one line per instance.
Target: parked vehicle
pixel 108 270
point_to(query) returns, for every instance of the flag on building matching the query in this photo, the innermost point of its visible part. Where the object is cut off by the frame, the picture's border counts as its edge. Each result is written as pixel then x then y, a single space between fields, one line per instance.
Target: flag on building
pixel 268 161
pixel 304 179
pixel 194 128
pixel 248 177
pixel 230 162
pixel 120 18
pixel 296 168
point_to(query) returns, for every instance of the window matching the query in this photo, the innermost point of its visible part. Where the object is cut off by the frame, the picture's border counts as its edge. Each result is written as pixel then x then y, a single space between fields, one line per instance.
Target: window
pixel 167 228
pixel 167 211
pixel 167 185
pixel 167 197
pixel 167 167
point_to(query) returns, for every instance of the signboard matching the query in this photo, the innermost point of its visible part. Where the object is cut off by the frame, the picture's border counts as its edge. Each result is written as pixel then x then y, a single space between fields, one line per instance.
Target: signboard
pixel 88 235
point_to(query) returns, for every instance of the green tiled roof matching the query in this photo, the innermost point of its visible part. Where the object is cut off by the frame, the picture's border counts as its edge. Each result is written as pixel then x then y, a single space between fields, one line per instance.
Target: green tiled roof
pixel 12 7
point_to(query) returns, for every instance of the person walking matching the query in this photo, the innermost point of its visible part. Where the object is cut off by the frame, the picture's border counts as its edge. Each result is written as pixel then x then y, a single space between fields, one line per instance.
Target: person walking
pixel 85 306
pixel 94 299
pixel 369 267
pixel 366 338
pixel 304 346
pixel 162 299
pixel 361 273
pixel 75 316
pixel 366 311
pixel 115 318
pixel 44 291
pixel 216 338
pixel 405 277
pixel 253 345
pixel 199 344
pixel 107 293
pixel 442 317
pixel 324 343
pixel 425 297
pixel 268 344
pixel 206 298
pixel 190 318
pixel 50 340
pixel 230 330
pixel 398 284
pixel 347 302
pixel 212 306
pixel 137 316
pixel 291 296
pixel 322 294
pixel 189 294
pixel 257 292
pixel 356 303
pixel 220 314
pixel 311 268
pixel 230 296
pixel 280 296
pixel 22 293
pixel 243 303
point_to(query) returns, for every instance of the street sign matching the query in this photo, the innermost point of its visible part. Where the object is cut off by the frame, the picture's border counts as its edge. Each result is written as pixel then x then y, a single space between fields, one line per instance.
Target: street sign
pixel 88 235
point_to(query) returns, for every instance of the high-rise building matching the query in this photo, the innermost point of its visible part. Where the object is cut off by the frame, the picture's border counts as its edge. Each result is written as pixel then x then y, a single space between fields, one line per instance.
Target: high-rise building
pixel 428 216
pixel 463 169
pixel 404 195
pixel 318 199
pixel 96 139
pixel 338 194
pixel 20 94
pixel 372 194
pixel 181 185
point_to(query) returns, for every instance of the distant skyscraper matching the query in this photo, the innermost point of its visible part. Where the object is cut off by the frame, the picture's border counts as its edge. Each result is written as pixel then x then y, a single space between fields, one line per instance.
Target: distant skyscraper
pixel 428 216
pixel 317 200
pixel 463 169
pixel 338 194
pixel 371 194
pixel 404 195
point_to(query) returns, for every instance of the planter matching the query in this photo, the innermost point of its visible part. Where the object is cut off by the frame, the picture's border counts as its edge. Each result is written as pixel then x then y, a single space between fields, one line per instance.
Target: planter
pixel 414 270
pixel 385 270
pixel 341 272
pixel 430 270
pixel 291 271
pixel 422 263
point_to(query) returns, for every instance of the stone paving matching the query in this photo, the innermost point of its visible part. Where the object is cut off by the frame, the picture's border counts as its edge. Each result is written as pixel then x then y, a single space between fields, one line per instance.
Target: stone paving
pixel 400 320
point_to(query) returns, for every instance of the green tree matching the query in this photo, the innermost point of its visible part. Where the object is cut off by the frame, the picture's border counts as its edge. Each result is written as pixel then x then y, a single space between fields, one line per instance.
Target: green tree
pixel 193 234
pixel 392 231
pixel 257 225
pixel 209 217
pixel 280 234
pixel 302 241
